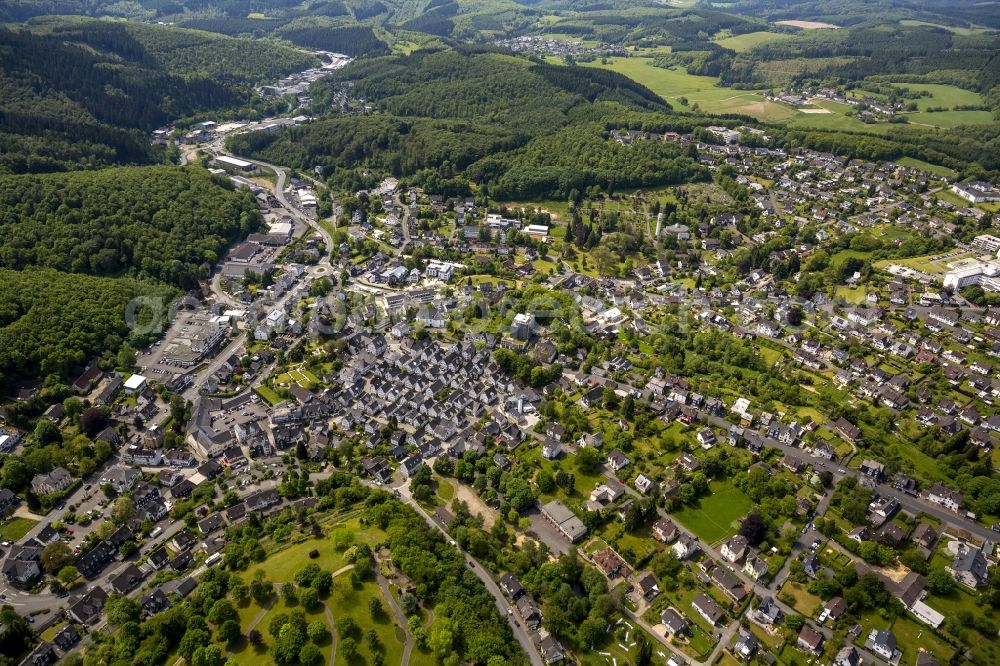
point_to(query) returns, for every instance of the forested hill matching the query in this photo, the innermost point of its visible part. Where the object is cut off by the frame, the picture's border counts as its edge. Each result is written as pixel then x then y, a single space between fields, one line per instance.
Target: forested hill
pixel 451 105
pixel 76 92
pixel 53 323
pixel 487 86
pixel 165 223
pixel 525 128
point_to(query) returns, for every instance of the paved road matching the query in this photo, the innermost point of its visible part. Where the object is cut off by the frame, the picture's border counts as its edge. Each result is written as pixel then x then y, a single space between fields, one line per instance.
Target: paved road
pixel 279 193
pixel 520 633
pixel 400 617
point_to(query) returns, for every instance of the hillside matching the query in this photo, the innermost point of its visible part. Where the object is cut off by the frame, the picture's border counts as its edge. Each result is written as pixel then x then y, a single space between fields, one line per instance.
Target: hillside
pixel 448 107
pixel 856 12
pixel 85 93
pixel 486 86
pixel 164 223
pixel 53 323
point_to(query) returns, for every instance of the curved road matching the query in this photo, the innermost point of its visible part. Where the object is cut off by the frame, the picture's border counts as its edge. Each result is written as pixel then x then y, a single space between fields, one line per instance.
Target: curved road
pixel 520 633
pixel 400 617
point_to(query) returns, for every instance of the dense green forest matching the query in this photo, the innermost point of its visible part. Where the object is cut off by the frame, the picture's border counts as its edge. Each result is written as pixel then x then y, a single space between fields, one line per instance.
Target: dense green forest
pixel 165 223
pixel 399 145
pixel 487 86
pixel 651 27
pixel 352 40
pixel 454 107
pixel 133 231
pixel 581 156
pixel 76 92
pixel 53 323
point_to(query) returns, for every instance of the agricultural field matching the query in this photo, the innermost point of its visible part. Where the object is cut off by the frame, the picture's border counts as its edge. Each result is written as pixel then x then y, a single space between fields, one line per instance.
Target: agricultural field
pixel 672 84
pixel 747 41
pixel 972 30
pixel 712 518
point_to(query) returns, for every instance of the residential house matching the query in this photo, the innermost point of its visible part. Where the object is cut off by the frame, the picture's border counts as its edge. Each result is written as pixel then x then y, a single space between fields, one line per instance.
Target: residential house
pixel 746 645
pixel 872 469
pixel 126 580
pixel 729 583
pixel 55 481
pixel 549 648
pixel 710 611
pixel 734 548
pixel 647 586
pixel 87 608
pixel 672 621
pixel 883 643
pixel 969 567
pixel 944 496
pixel 685 547
pixel 155 602
pixel 847 656
pixel 767 612
pixel 511 586
pixel 664 530
pixel 617 460
pixel 809 640
pixel 96 559
pixel 755 567
pixel 66 637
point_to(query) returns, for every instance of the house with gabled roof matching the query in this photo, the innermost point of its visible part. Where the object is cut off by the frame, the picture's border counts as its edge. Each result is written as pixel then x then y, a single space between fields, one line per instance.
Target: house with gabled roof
pixel 710 611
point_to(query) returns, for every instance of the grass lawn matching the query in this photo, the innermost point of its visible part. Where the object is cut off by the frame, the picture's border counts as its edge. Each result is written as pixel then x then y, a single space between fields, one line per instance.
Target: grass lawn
pixel 712 517
pixel 620 647
pixel 445 489
pixel 244 650
pixel 770 356
pixel 949 119
pixel 559 210
pixel 699 641
pixel 247 613
pixel 268 395
pixel 986 651
pixel 849 254
pixel 805 601
pixel 281 565
pixel 854 295
pixel 15 528
pixel 942 95
pixel 934 169
pixel 912 635
pixel 952 198
pixel 745 42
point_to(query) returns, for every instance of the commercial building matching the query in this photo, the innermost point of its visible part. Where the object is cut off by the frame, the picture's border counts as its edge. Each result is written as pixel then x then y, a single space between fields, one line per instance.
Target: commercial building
pixel 565 521
pixel 234 165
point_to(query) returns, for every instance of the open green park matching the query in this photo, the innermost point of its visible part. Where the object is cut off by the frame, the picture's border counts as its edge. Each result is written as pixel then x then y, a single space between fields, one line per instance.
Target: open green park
pixel 351 596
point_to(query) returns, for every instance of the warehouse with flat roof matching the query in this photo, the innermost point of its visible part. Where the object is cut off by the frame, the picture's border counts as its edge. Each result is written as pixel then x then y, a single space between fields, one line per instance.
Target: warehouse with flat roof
pixel 564 520
pixel 234 165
